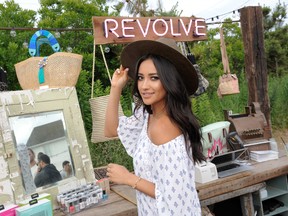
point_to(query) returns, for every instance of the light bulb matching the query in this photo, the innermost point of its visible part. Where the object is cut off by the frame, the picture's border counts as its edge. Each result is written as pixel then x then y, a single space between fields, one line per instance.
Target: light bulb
pixel 25 45
pixel 107 49
pixel 69 49
pixel 13 33
pixel 57 34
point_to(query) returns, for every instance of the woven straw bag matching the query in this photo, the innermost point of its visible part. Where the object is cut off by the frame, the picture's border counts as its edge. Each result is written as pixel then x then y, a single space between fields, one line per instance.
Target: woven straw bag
pixel 98 111
pixel 58 70
pixel 62 70
pixel 98 108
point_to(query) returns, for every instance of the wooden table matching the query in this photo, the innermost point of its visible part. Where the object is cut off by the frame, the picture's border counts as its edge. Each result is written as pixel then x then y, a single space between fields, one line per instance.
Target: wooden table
pixel 240 185
pixel 243 184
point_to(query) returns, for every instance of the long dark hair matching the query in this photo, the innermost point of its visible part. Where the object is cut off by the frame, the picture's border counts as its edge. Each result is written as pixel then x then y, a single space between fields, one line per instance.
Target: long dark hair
pixel 178 104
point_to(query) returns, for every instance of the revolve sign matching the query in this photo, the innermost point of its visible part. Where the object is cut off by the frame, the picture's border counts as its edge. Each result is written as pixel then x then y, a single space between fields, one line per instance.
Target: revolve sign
pixel 129 29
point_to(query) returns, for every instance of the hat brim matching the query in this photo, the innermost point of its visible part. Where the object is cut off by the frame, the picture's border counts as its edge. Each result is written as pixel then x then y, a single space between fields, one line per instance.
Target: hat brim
pixel 133 51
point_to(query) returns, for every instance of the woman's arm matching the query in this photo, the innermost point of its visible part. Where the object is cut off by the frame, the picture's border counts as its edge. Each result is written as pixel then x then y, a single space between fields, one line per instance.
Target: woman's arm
pixel 120 175
pixel 142 185
pixel 119 80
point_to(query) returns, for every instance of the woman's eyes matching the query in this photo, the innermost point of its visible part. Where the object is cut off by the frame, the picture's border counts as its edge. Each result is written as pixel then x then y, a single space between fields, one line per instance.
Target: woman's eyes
pixel 153 78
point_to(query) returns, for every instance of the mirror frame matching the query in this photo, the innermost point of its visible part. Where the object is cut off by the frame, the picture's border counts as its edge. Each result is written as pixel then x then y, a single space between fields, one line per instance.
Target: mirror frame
pixel 15 103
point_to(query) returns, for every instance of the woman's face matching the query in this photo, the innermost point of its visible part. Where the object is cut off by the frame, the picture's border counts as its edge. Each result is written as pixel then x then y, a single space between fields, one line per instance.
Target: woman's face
pixel 31 155
pixel 149 84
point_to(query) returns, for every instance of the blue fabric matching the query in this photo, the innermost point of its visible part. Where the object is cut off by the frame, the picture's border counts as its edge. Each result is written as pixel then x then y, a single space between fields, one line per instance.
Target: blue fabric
pixel 52 42
pixel 41 76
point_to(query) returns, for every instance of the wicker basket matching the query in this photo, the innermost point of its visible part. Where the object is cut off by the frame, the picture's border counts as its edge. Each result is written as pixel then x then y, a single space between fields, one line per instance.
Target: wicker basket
pixel 98 111
pixel 61 70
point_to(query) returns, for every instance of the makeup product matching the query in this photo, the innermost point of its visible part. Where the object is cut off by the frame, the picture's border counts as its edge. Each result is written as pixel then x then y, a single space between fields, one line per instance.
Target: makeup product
pixel 94 198
pixel 76 204
pixel 71 207
pixel 8 210
pixel 81 204
pixel 40 207
pixel 104 195
pixel 36 196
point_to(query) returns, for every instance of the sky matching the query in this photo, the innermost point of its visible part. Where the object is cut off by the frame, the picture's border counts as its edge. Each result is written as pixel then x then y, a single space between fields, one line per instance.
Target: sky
pixel 199 8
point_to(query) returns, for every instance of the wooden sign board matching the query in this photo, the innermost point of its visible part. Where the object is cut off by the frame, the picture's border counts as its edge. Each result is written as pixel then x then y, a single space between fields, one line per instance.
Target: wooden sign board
pixel 118 30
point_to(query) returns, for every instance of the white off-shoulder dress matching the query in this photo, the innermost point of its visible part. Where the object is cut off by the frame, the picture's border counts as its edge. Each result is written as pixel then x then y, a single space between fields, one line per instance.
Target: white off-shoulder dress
pixel 167 166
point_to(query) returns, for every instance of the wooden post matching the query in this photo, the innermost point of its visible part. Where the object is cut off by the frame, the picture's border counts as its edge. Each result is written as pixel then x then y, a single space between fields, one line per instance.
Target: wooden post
pixel 255 58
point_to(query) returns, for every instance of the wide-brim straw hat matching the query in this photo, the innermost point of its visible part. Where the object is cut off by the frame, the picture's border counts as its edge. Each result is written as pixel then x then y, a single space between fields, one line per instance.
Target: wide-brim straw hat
pixel 166 48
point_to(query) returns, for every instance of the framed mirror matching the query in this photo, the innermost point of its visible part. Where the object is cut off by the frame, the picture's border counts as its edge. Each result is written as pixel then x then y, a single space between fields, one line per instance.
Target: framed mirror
pixel 42 133
pixel 43 145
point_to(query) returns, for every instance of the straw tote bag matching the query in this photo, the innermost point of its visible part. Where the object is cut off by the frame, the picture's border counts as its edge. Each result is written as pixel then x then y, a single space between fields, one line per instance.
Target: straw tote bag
pixel 98 108
pixel 228 83
pixel 61 69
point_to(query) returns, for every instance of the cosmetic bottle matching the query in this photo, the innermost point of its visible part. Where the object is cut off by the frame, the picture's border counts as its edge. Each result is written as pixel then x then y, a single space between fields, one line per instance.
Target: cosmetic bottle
pixel 94 198
pixel 76 204
pixel 81 204
pixel 71 207
pixel 105 195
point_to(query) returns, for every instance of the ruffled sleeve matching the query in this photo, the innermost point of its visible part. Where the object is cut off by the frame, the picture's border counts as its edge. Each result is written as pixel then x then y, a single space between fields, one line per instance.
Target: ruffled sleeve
pixel 129 130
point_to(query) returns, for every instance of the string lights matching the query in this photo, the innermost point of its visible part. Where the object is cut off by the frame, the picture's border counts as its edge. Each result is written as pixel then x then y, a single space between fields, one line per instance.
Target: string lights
pixel 58 32
pixel 220 15
pixel 14 29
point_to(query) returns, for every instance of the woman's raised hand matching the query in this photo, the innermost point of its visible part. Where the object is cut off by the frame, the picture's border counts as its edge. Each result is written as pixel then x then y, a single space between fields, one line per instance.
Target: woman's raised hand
pixel 120 77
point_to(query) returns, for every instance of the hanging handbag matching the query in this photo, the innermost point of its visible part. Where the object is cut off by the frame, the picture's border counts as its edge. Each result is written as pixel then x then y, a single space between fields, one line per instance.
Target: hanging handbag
pixel 98 107
pixel 203 83
pixel 61 69
pixel 228 83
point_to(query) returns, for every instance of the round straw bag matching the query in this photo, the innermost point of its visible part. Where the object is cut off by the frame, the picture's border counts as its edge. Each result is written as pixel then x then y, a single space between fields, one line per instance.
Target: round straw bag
pixel 58 70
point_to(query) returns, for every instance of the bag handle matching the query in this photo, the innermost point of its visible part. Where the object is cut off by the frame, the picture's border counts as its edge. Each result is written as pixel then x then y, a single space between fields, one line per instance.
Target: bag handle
pixel 93 66
pixel 224 56
pixel 93 69
pixel 210 137
pixel 51 39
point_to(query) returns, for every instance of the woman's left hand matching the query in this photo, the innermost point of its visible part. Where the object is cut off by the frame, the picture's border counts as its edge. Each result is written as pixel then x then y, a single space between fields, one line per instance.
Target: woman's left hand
pixel 118 174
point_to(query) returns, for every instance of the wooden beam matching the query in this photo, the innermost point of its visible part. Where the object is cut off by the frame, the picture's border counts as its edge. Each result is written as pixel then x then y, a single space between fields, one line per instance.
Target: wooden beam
pixel 255 58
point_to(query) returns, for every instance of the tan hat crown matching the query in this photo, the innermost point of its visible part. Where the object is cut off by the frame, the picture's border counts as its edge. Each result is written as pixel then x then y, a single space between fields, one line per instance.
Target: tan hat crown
pixel 166 48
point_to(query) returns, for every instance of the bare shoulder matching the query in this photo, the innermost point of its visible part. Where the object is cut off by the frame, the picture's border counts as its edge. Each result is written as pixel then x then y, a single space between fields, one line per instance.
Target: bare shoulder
pixel 162 131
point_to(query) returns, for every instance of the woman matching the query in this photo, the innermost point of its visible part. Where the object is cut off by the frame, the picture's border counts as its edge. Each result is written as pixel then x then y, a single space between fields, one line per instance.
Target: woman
pixel 33 163
pixel 163 136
